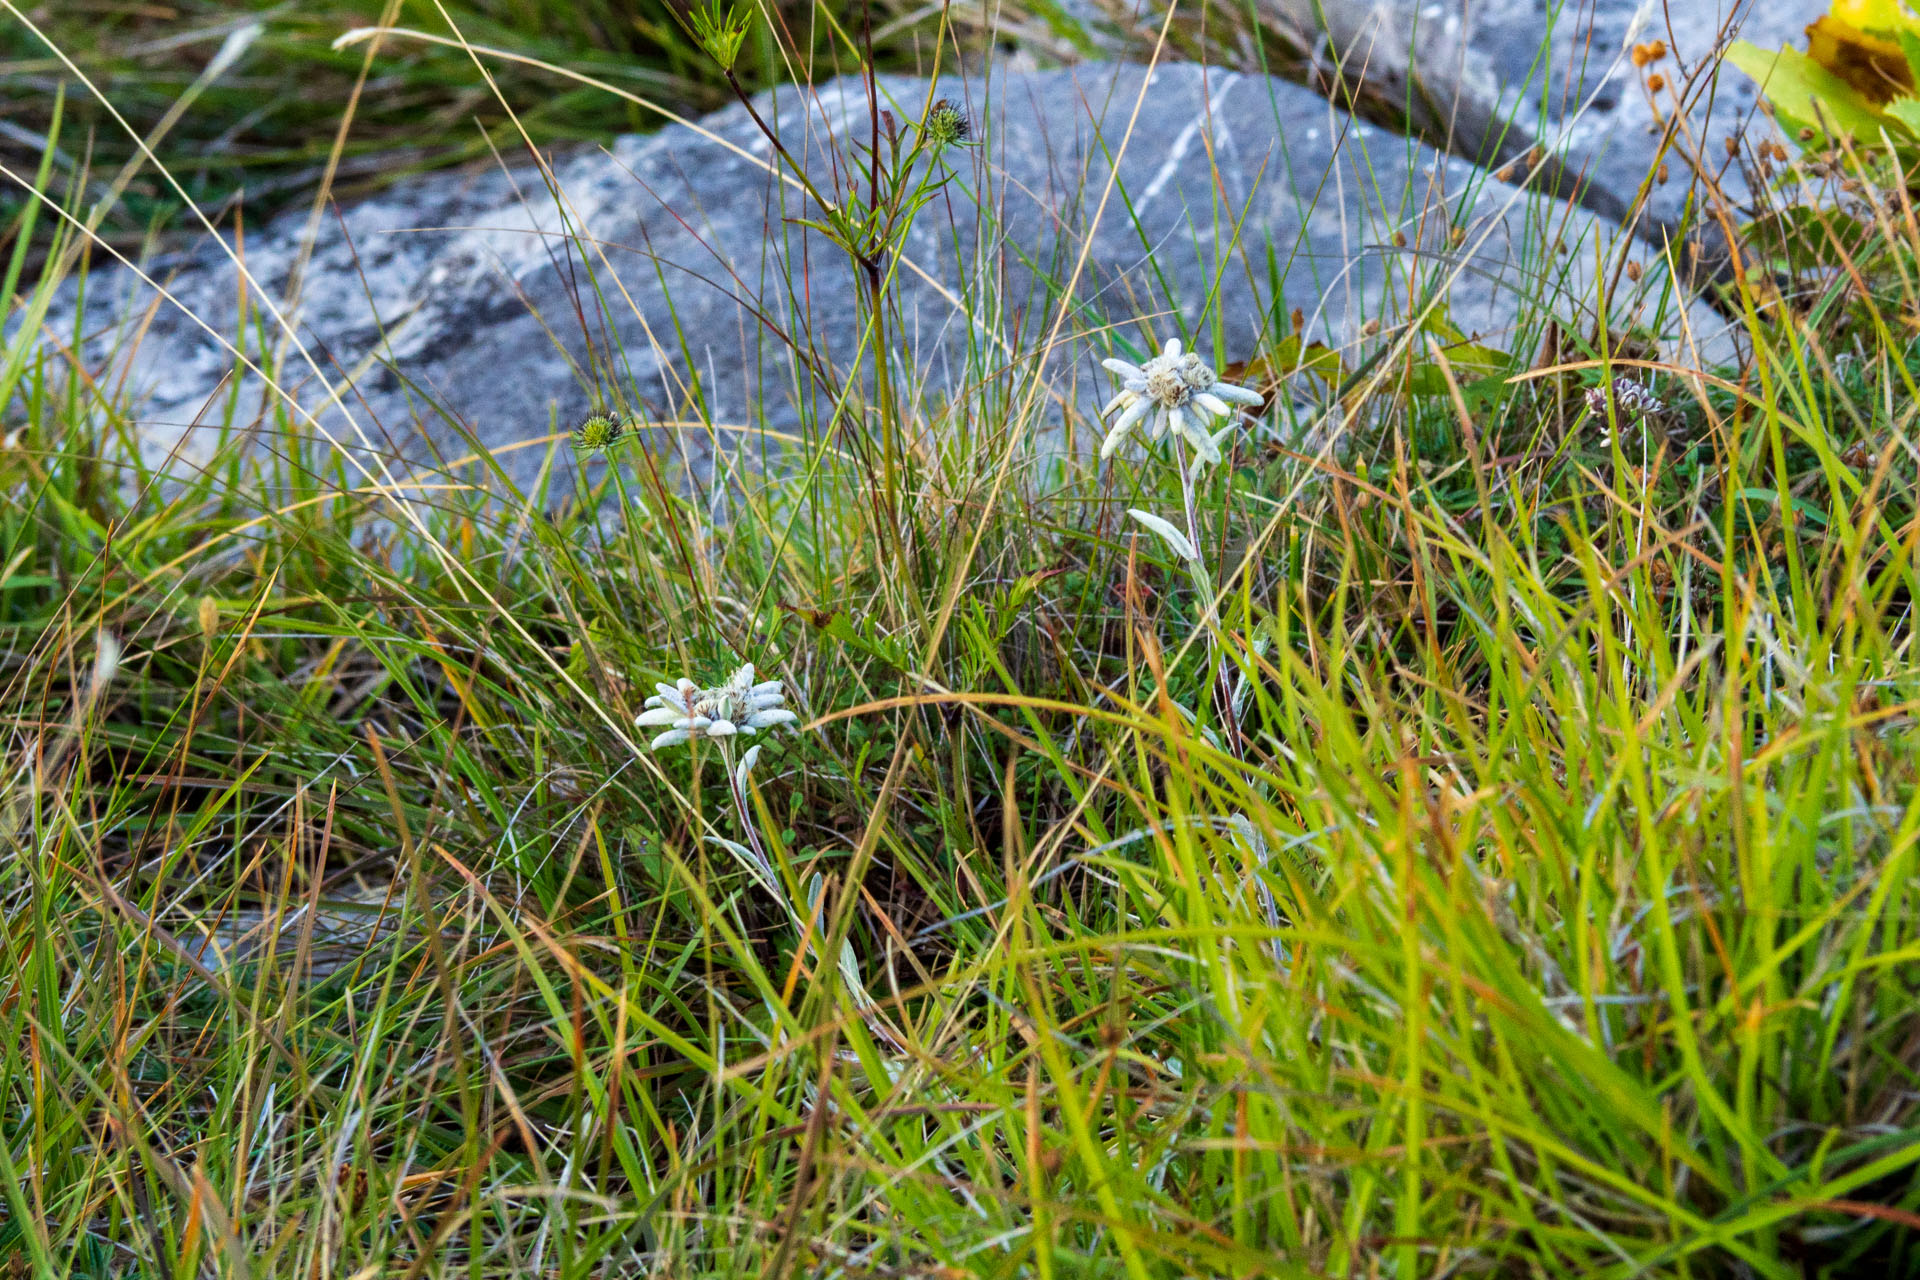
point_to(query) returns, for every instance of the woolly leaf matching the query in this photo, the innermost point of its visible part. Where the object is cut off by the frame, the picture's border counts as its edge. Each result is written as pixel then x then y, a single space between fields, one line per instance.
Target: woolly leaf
pixel 1167 533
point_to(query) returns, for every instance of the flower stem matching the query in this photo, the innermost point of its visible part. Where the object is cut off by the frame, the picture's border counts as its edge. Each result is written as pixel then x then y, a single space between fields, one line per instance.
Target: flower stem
pixel 1203 583
pixel 793 166
pixel 747 824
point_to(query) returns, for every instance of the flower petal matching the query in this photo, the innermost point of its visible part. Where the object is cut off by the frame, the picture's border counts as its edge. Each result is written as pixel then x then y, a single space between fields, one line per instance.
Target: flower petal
pixel 721 729
pixel 1125 422
pixel 1167 533
pixel 767 719
pixel 1172 350
pixel 661 715
pixel 1203 445
pixel 1121 367
pixel 670 738
pixel 1213 404
pixel 1237 395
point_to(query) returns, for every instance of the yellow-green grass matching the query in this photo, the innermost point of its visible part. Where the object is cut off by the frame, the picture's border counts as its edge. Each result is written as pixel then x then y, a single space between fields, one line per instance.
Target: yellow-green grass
pixel 1552 914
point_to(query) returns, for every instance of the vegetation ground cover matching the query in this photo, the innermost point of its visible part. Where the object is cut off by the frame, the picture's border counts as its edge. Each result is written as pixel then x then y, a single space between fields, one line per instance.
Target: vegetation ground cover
pixel 1480 840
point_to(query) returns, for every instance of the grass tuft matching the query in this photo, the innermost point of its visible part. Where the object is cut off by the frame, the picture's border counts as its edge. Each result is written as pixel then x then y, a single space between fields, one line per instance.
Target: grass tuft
pixel 1492 853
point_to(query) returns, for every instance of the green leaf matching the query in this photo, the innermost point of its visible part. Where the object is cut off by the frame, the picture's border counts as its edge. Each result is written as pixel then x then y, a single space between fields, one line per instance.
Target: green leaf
pixel 862 635
pixel 1910 45
pixel 1806 95
pixel 1907 112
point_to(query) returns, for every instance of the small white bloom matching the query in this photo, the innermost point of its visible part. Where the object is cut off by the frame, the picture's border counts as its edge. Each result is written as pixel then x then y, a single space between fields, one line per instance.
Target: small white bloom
pixel 741 705
pixel 1177 391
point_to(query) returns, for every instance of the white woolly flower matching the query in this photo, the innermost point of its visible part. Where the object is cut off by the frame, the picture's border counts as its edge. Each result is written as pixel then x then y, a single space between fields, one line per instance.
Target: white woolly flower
pixel 739 706
pixel 1175 391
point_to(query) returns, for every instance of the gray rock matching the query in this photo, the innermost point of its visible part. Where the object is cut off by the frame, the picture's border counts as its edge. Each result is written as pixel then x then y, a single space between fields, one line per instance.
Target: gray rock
pixel 305 943
pixel 671 273
pixel 1498 77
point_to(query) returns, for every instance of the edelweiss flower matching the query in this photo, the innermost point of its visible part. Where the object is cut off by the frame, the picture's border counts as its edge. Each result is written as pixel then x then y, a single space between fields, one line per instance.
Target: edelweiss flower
pixel 738 706
pixel 1180 391
pixel 1632 399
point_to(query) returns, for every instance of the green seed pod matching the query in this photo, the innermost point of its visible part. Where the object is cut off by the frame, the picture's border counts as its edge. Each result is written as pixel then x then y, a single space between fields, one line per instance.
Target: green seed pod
pixel 600 431
pixel 947 125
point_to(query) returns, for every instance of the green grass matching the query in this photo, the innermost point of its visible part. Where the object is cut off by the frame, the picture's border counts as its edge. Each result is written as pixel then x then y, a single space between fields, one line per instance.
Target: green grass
pixel 269 127
pixel 1556 914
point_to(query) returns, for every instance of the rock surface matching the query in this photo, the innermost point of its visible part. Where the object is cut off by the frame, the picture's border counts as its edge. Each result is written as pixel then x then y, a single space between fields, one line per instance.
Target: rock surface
pixel 671 274
pixel 1498 77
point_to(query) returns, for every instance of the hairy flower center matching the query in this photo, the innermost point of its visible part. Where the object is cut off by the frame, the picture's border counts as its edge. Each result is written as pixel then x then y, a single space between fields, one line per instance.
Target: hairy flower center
pixel 1196 373
pixel 714 704
pixel 1167 386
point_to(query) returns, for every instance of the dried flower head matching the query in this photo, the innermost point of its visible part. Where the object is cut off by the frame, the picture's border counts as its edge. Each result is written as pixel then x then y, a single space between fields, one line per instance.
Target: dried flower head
pixel 1177 391
pixel 947 125
pixel 599 431
pixel 739 706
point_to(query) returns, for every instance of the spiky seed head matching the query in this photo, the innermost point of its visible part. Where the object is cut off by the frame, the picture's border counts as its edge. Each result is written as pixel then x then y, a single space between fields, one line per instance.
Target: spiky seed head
pixel 947 125
pixel 598 432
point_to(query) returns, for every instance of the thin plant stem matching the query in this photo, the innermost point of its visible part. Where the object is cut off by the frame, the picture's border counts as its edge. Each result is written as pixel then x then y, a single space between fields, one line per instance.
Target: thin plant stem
pixel 747 823
pixel 793 166
pixel 1203 584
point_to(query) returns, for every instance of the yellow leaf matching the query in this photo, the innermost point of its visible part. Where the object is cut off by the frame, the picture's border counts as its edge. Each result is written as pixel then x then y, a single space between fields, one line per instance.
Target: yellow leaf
pixel 1877 15
pixel 1874 68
